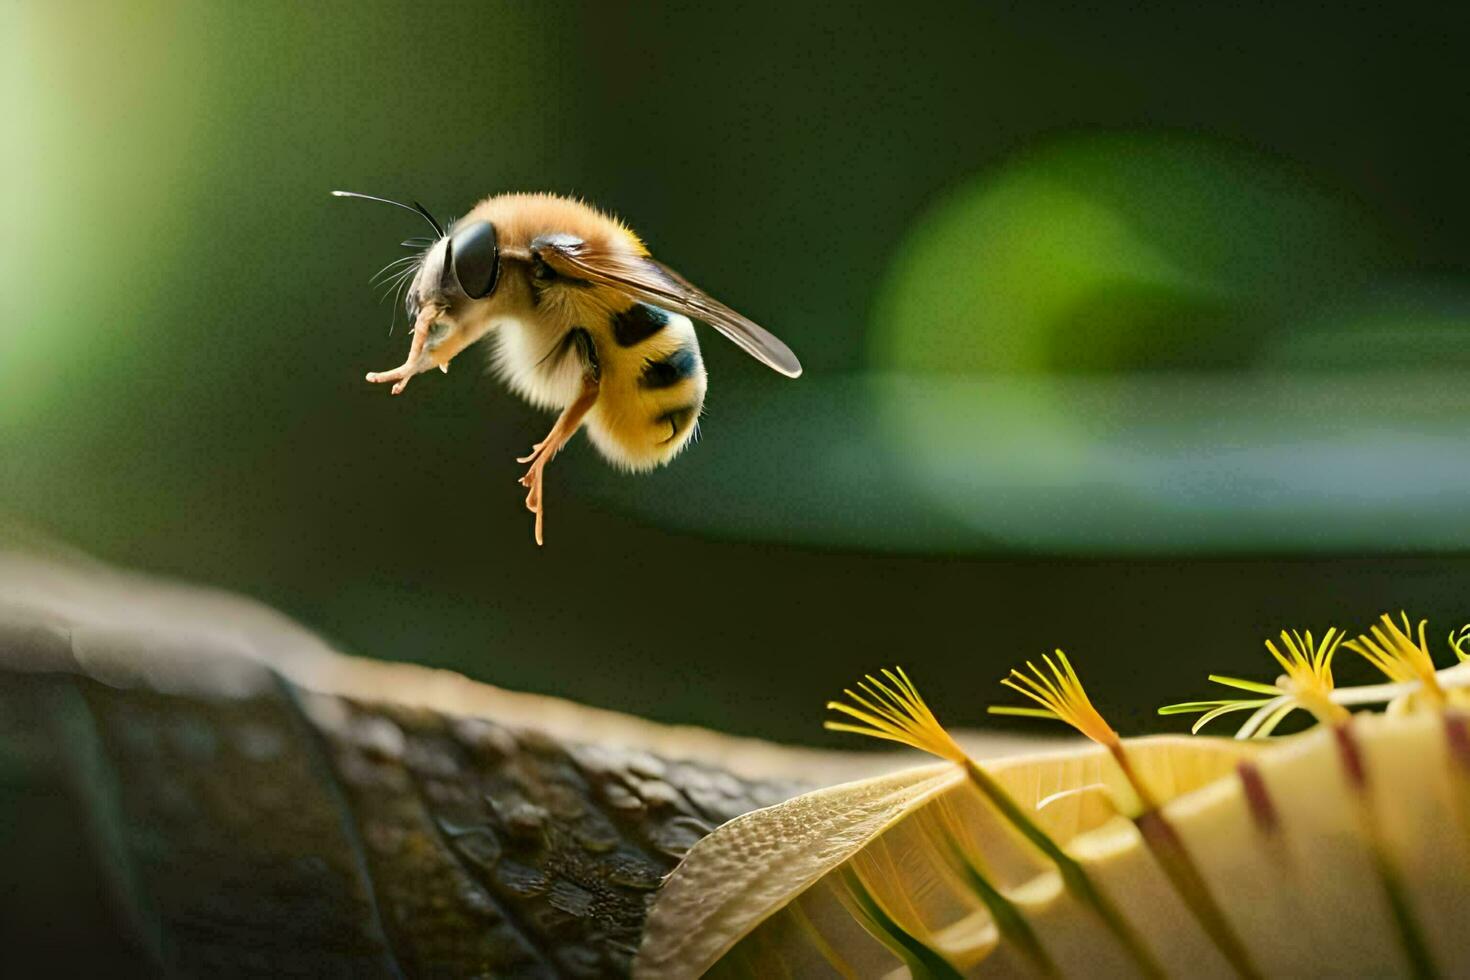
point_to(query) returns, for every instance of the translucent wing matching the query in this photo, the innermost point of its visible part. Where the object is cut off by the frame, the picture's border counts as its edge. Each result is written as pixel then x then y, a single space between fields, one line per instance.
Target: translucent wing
pixel 650 281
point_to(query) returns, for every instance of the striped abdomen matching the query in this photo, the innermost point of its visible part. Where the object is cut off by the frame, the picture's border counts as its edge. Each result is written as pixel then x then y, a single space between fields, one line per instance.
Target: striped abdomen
pixel 652 387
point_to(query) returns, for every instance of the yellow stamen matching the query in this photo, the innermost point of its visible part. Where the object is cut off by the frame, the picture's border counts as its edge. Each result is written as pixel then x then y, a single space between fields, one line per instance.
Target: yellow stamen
pixel 1394 651
pixel 1061 697
pixel 1459 641
pixel 895 712
pixel 1308 667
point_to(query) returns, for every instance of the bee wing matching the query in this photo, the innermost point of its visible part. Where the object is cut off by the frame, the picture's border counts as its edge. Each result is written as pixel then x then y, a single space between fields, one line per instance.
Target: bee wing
pixel 651 281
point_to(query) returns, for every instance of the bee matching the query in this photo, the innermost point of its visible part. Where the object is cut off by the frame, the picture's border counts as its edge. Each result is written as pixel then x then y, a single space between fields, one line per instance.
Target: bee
pixel 583 320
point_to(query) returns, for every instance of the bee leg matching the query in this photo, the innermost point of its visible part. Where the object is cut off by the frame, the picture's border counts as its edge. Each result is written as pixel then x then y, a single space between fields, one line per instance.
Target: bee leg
pixel 561 433
pixel 412 366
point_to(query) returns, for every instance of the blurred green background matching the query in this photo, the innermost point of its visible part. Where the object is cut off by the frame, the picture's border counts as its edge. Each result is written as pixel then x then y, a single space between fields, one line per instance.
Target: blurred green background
pixel 1140 332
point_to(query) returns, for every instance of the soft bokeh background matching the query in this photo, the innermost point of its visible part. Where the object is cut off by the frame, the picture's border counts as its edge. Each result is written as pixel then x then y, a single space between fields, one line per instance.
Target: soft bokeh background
pixel 1139 332
pixel 1143 332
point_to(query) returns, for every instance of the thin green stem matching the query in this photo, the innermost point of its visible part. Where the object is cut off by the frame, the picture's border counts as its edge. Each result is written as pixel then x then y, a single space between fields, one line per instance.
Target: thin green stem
pixel 1074 877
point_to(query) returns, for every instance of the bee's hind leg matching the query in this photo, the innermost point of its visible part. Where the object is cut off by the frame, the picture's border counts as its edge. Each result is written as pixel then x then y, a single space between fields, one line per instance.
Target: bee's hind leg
pixel 566 426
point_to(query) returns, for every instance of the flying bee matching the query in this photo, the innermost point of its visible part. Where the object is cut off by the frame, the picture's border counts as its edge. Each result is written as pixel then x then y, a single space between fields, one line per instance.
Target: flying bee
pixel 584 321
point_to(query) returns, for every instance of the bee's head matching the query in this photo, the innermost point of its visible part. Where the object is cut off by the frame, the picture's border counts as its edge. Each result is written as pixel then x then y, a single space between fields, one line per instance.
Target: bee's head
pixel 456 269
pixel 462 266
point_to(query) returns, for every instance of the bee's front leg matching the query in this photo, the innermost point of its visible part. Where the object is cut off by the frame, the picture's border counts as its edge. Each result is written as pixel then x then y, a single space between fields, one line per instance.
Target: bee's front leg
pixel 416 363
pixel 561 433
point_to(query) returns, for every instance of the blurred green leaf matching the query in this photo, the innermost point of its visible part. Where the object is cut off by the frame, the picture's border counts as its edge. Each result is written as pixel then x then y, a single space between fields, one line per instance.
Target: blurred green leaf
pixel 1116 253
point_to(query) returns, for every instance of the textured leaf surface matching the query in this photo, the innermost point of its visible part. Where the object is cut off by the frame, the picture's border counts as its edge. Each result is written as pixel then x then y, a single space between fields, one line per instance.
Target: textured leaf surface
pixel 264 805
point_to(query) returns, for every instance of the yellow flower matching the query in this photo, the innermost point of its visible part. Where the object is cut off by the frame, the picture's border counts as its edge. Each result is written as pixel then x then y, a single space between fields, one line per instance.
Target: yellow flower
pixel 896 713
pixel 1061 697
pixel 1307 684
pixel 1395 652
pixel 1308 667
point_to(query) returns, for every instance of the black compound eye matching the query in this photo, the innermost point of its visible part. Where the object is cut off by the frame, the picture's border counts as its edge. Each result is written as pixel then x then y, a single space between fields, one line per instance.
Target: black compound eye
pixel 474 254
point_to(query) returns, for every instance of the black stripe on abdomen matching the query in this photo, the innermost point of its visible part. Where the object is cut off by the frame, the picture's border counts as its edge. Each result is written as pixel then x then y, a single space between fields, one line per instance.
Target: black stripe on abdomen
pixel 669 370
pixel 637 323
pixel 578 340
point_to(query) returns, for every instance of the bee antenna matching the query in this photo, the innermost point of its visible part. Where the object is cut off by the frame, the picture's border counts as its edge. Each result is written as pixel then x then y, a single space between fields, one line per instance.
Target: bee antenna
pixel 417 208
